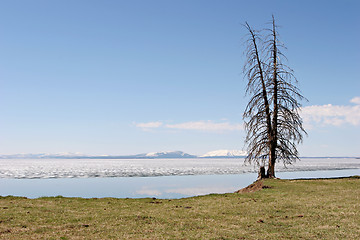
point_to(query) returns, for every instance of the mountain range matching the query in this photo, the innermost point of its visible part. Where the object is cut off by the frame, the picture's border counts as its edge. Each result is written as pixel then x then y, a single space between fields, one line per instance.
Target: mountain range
pixel 151 155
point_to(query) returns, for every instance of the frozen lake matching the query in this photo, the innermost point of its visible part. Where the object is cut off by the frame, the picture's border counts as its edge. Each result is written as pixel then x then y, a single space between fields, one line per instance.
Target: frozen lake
pixel 104 168
pixel 161 178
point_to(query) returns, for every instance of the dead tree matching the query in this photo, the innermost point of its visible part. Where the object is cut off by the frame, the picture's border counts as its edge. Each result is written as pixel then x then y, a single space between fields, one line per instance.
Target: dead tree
pixel 272 119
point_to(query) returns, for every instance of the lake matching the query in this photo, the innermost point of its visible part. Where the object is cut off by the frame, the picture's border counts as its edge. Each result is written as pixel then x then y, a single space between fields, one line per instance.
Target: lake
pixel 161 178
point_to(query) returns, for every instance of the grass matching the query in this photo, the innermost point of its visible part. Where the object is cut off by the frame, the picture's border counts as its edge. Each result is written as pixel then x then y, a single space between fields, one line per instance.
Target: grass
pixel 287 209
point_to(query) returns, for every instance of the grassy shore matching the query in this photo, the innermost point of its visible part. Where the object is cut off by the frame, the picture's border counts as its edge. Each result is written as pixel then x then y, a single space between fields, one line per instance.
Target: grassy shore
pixel 283 209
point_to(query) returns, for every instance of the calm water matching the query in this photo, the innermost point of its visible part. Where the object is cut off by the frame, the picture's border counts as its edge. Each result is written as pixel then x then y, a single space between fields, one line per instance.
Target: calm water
pixel 161 178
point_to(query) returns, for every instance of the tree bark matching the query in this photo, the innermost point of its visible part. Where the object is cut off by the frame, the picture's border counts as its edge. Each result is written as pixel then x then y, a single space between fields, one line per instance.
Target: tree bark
pixel 271 167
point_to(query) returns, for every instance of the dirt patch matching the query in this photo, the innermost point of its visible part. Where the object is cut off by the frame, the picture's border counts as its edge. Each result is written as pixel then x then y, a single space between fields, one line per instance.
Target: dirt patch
pixel 256 186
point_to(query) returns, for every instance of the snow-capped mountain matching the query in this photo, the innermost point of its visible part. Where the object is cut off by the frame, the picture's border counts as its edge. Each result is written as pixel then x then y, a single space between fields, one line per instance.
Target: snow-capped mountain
pixel 172 154
pixel 224 153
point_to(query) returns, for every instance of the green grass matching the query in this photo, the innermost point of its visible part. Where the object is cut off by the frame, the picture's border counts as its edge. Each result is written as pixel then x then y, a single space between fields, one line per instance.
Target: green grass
pixel 289 209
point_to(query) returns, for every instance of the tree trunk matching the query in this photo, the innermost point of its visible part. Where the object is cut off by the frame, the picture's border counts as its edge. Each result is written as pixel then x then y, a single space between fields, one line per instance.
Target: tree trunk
pixel 272 160
pixel 261 173
pixel 274 133
pixel 271 171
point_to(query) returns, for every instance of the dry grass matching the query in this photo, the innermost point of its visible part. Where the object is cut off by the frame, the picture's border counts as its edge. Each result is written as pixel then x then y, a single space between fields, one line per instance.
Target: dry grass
pixel 289 209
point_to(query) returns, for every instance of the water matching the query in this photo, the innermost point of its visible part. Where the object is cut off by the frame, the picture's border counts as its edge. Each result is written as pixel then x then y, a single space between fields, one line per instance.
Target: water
pixel 161 178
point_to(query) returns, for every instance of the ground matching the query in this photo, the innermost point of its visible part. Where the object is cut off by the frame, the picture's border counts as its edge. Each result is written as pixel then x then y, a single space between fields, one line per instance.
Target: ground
pixel 278 209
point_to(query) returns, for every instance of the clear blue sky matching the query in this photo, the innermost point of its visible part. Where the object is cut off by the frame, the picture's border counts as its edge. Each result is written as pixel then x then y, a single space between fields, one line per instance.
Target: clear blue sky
pixel 126 77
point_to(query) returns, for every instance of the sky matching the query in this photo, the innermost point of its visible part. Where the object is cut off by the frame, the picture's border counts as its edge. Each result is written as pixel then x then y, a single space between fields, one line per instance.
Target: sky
pixel 128 77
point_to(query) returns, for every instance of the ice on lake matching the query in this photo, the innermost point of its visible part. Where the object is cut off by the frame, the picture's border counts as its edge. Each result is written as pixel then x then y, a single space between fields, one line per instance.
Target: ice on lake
pixel 104 168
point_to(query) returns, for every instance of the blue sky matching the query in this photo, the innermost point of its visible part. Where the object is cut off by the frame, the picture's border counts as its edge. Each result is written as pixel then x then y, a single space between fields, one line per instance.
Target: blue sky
pixel 127 77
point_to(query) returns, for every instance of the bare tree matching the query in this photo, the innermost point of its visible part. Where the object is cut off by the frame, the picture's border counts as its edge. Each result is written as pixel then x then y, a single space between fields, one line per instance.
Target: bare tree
pixel 272 119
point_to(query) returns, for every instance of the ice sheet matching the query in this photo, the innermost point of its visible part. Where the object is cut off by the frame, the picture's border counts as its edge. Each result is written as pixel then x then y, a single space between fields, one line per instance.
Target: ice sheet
pixel 100 168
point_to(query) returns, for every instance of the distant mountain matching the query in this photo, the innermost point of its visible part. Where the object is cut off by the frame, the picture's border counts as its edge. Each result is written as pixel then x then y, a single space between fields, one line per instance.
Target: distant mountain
pixel 224 154
pixel 151 155
pixel 44 155
pixel 173 154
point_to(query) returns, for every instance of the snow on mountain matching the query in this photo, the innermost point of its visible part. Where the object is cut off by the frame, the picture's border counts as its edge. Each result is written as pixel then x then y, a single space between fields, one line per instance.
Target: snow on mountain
pixel 173 154
pixel 225 153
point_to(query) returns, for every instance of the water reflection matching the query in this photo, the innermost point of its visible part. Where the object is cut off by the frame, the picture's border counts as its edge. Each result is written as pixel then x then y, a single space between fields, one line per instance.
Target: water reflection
pixel 139 187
